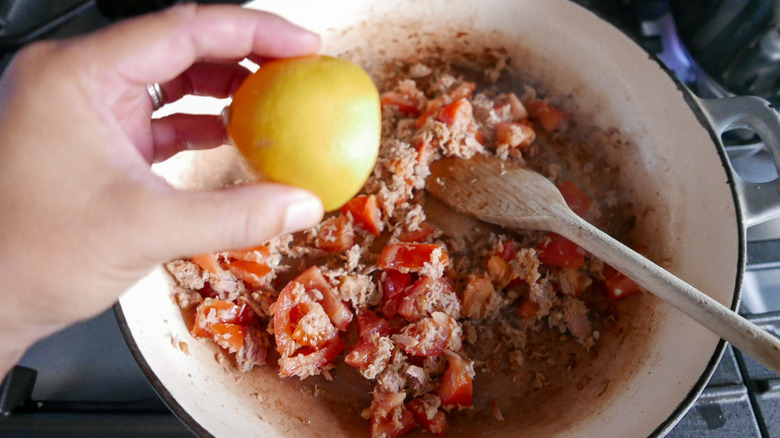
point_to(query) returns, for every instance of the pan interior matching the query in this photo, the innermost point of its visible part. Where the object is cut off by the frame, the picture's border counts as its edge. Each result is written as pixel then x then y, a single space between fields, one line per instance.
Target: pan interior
pixel 631 118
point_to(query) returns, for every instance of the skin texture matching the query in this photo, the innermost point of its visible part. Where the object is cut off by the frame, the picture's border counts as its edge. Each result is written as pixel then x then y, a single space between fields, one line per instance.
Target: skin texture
pixel 82 215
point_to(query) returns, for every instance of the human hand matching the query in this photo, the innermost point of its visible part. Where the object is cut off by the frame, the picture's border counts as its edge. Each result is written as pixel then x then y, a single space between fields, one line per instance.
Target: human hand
pixel 82 216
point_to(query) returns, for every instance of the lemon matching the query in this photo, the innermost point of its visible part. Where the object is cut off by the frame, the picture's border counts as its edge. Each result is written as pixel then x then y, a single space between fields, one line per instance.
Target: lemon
pixel 313 122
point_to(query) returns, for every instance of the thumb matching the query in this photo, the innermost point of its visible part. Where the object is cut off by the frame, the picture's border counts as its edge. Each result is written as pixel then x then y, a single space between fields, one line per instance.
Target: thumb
pixel 188 223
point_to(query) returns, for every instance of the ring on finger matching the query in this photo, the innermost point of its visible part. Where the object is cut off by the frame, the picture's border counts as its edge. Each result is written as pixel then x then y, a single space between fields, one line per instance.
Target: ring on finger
pixel 156 93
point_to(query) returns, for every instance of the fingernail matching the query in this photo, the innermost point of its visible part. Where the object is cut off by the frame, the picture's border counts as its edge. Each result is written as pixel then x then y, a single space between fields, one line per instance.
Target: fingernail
pixel 302 213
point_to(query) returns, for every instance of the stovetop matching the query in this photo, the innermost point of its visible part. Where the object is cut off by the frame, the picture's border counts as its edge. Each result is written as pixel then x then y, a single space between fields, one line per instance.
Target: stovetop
pixel 83 381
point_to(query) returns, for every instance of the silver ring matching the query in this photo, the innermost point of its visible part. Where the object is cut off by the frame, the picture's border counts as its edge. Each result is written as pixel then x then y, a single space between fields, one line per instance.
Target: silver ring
pixel 156 93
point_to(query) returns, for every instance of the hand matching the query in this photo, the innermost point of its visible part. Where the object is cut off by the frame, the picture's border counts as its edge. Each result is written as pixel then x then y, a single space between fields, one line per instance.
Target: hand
pixel 82 217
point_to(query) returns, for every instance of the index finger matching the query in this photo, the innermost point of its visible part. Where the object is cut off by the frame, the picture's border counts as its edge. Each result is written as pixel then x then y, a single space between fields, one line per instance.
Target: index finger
pixel 158 47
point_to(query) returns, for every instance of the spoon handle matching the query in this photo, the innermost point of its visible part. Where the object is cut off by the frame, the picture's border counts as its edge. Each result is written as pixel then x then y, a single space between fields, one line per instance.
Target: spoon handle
pixel 719 319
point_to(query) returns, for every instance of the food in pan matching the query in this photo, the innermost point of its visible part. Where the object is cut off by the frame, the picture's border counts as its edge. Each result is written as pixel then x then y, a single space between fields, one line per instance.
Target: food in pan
pixel 388 285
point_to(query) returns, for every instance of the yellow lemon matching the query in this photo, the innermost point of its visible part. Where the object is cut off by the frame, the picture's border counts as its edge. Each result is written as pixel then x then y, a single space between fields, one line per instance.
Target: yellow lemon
pixel 313 122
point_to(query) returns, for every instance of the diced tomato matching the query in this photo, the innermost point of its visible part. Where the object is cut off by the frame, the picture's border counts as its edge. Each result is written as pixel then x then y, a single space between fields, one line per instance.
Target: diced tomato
pixel 477 135
pixel 456 388
pixel 335 234
pixel 423 119
pixel 228 336
pixel 617 284
pixel 424 230
pixel 463 91
pixel 306 360
pixel 288 312
pixel 508 250
pixel 250 273
pixel 456 112
pixel 365 212
pixel 245 316
pixel 360 355
pixel 550 117
pixel 415 302
pixel 431 335
pixel 499 270
pixel 388 427
pixel 369 323
pixel 436 425
pixel 403 103
pixel 476 296
pixel 575 198
pixel 561 252
pixel 394 282
pixel 516 108
pixel 425 152
pixel 411 257
pixel 212 310
pixel 528 309
pixel 257 254
pixel 574 281
pixel 207 262
pixel 337 310
pixel 311 331
pixel 514 134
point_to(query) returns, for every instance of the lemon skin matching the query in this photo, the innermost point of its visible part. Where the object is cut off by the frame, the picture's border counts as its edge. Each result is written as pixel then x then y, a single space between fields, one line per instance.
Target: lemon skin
pixel 313 122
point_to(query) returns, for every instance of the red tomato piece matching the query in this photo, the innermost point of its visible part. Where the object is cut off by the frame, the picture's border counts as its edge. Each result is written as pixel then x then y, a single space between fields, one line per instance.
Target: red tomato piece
pixel 387 427
pixel 477 295
pixel 463 91
pixel 561 252
pixel 212 310
pixel 458 111
pixel 516 135
pixel 508 250
pixel 337 310
pixel 411 257
pixel 394 282
pixel 416 301
pixel 431 336
pixel 250 273
pixel 424 230
pixel 335 234
pixel 257 254
pixel 617 284
pixel 528 309
pixel 228 336
pixel 365 212
pixel 477 135
pixel 207 262
pixel 288 312
pixel 456 387
pixel 360 355
pixel 425 152
pixel 575 198
pixel 423 119
pixel 369 323
pixel 365 353
pixel 304 362
pixel 550 117
pixel 436 425
pixel 403 103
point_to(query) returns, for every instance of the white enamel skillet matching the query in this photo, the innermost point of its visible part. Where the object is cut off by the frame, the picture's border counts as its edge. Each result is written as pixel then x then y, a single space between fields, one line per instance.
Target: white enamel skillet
pixel 694 210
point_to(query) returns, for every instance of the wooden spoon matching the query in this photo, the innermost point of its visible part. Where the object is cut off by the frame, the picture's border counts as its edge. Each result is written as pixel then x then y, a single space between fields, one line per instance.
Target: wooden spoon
pixel 511 195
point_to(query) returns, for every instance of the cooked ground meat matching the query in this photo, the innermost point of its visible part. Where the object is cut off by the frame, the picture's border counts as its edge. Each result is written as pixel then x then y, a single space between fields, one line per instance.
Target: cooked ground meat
pixel 431 306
